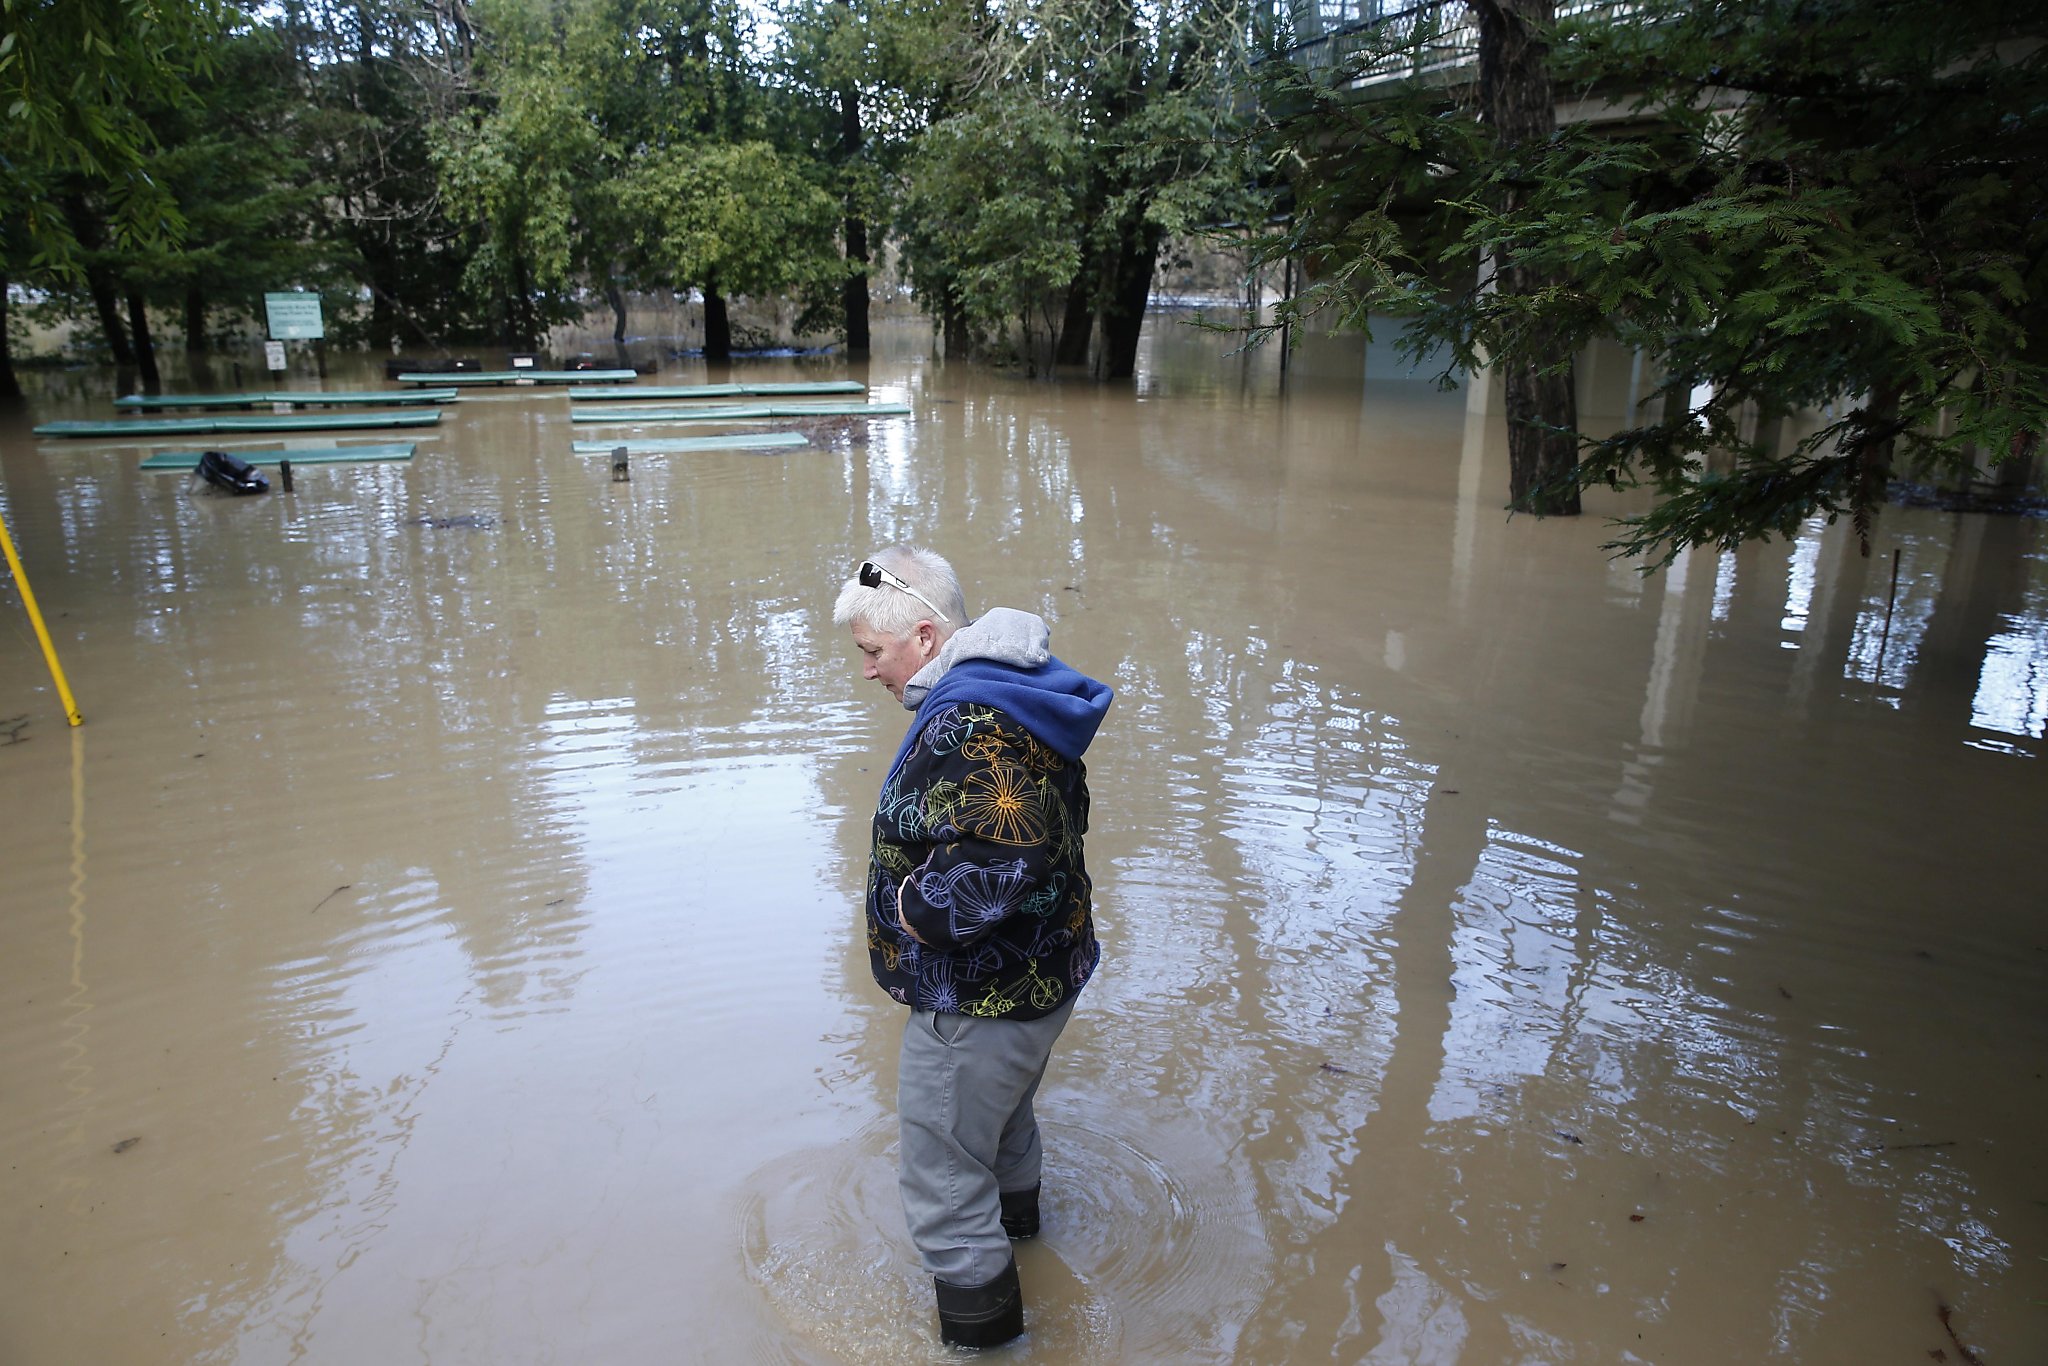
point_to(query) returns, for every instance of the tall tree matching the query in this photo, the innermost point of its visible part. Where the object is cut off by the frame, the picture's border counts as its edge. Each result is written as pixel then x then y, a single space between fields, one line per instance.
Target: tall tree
pixel 1148 92
pixel 1002 246
pixel 868 77
pixel 1542 409
pixel 73 79
pixel 373 79
pixel 1811 205
pixel 732 218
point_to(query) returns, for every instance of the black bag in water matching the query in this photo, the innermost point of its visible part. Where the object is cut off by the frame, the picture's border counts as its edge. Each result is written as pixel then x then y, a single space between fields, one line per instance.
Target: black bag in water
pixel 224 471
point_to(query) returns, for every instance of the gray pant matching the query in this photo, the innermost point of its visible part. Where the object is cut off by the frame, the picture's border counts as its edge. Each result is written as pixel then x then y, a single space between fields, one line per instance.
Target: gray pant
pixel 963 1097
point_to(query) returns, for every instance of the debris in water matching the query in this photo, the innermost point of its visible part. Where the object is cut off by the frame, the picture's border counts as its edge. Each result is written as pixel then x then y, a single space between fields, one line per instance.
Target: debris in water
pixel 1906 1147
pixel 14 726
pixel 1333 1069
pixel 1570 1138
pixel 825 431
pixel 1635 1218
pixel 333 894
pixel 1556 1267
pixel 1942 1312
pixel 467 521
pixel 1784 993
pixel 125 1144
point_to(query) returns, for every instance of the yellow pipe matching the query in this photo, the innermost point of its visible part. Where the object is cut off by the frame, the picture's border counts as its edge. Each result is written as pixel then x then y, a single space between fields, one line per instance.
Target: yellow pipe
pixel 35 616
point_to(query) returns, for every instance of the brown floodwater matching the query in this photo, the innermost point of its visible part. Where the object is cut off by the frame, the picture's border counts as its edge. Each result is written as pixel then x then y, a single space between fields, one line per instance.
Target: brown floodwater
pixel 439 944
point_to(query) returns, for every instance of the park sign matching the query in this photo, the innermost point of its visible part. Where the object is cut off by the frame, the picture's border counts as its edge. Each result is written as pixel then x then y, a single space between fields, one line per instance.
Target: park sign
pixel 294 316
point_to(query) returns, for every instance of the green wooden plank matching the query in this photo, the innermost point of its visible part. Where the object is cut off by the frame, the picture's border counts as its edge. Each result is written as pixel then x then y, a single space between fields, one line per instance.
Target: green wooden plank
pixel 522 376
pixel 823 386
pixel 301 399
pixel 310 455
pixel 292 422
pixel 667 445
pixel 738 413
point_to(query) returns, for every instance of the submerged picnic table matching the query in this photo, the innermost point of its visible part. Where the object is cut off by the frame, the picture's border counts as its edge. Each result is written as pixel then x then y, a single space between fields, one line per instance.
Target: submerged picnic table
pixel 681 445
pixel 274 455
pixel 521 377
pixel 296 399
pixel 288 422
pixel 743 390
pixel 738 412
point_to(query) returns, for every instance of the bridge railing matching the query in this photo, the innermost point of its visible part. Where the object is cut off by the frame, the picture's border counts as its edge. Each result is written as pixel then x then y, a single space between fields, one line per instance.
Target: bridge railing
pixel 1436 40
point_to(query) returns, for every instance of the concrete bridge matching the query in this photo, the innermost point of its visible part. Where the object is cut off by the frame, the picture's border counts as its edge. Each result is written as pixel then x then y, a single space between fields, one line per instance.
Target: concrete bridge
pixel 1434 42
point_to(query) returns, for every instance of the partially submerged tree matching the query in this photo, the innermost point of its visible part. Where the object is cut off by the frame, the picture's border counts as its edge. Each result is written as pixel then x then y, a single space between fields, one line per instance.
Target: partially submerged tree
pixel 874 75
pixel 1004 247
pixel 75 80
pixel 1147 96
pixel 732 218
pixel 1808 205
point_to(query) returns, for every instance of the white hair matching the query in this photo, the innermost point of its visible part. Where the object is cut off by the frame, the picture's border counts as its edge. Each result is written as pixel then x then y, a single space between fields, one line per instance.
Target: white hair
pixel 889 611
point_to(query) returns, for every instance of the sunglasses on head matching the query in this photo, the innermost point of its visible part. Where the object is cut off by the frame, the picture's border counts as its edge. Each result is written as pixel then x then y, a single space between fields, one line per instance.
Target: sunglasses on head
pixel 873 575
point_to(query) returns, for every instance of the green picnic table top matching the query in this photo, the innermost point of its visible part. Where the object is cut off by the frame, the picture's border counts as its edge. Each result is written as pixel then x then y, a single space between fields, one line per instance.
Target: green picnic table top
pixel 297 399
pixel 673 445
pixel 737 412
pixel 310 455
pixel 742 390
pixel 288 422
pixel 521 377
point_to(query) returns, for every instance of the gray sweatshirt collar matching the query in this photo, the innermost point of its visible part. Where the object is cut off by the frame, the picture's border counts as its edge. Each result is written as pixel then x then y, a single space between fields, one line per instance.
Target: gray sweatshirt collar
pixel 1003 634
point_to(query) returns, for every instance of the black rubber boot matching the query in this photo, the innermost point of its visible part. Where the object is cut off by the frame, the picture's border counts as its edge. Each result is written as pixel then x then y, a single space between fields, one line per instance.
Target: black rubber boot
pixel 1020 1213
pixel 981 1315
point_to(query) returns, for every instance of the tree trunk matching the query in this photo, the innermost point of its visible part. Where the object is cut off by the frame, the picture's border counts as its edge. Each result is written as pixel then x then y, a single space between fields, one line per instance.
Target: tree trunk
pixel 99 281
pixel 1126 290
pixel 956 339
pixel 1541 399
pixel 107 304
pixel 145 354
pixel 617 298
pixel 383 317
pixel 717 327
pixel 858 338
pixel 1077 325
pixel 10 387
pixel 195 319
pixel 525 325
pixel 856 292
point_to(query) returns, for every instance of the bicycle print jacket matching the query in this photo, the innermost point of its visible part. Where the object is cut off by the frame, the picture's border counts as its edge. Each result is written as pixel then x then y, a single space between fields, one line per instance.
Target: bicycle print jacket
pixel 978 832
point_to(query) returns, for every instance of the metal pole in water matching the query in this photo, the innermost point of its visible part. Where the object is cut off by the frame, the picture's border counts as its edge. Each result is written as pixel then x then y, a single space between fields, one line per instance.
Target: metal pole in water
pixel 284 470
pixel 1286 322
pixel 622 473
pixel 35 616
pixel 1885 635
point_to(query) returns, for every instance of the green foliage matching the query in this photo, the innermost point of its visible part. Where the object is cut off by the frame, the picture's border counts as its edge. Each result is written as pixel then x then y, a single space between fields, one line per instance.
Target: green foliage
pixel 619 141
pixel 1808 206
pixel 241 184
pixel 524 175
pixel 76 78
pixel 1130 109
pixel 737 218
pixel 997 242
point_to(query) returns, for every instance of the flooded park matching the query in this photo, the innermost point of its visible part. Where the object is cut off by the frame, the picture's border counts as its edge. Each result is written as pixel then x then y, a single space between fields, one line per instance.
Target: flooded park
pixel 441 942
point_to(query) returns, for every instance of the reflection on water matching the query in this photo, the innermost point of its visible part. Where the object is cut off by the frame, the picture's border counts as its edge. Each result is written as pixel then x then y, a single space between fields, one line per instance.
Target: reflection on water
pixel 439 943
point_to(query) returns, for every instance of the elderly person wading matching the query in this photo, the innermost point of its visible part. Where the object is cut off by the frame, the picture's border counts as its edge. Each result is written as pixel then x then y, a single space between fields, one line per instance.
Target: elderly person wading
pixel 977 911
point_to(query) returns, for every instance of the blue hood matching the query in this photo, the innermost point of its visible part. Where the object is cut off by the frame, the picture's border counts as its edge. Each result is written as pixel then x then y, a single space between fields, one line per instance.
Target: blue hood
pixel 1060 706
